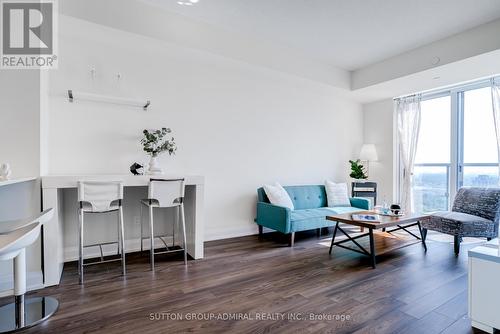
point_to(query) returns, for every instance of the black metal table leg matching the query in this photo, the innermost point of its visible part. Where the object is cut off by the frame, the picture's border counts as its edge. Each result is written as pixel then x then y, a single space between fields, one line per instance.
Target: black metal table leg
pixel 333 238
pixel 372 248
pixel 422 236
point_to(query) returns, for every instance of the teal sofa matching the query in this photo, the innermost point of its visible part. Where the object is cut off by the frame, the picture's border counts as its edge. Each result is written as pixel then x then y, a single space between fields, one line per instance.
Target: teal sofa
pixel 310 210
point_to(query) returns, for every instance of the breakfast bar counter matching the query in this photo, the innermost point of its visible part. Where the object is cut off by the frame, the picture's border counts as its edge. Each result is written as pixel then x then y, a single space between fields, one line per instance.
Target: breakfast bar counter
pixel 53 231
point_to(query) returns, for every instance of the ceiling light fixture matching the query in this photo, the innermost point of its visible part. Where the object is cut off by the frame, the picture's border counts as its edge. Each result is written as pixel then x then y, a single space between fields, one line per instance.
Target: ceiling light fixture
pixel 187 3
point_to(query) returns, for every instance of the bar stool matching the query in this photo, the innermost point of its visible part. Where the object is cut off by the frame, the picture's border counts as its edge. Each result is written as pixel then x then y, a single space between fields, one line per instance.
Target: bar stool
pixel 15 236
pixel 97 197
pixel 164 194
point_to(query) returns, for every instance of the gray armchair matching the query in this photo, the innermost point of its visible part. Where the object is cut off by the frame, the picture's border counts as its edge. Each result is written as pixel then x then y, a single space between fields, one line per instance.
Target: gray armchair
pixel 475 213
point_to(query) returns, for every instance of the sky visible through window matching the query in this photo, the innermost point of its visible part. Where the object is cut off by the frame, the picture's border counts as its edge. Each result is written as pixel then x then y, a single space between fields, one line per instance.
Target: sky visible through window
pixel 435 134
pixel 480 144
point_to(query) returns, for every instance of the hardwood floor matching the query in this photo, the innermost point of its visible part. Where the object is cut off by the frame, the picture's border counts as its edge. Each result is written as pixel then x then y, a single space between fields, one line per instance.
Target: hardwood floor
pixel 410 291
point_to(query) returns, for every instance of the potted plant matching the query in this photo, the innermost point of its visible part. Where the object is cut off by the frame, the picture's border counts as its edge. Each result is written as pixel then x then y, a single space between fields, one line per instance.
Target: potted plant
pixel 358 171
pixel 156 142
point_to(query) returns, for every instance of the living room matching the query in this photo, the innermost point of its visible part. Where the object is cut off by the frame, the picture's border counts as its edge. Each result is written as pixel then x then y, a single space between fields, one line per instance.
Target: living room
pixel 248 166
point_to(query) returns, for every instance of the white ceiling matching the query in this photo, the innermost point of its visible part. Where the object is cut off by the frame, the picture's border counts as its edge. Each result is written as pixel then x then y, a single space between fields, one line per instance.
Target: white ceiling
pixel 350 34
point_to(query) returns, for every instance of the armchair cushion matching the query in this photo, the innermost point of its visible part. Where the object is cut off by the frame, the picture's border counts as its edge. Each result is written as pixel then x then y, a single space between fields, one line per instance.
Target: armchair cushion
pixel 460 224
pixel 481 202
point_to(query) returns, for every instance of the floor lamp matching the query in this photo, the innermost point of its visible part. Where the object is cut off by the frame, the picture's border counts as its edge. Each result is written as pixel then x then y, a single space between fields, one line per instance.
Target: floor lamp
pixel 368 153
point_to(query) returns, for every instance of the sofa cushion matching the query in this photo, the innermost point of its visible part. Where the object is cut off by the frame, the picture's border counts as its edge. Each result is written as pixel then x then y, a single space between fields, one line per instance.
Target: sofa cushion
pixel 277 195
pixel 459 223
pixel 307 197
pixel 307 219
pixel 336 194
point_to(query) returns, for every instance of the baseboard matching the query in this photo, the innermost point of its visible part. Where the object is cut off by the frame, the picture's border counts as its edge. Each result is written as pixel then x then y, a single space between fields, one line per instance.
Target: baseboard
pixel 228 233
pixel 34 281
pixel 131 245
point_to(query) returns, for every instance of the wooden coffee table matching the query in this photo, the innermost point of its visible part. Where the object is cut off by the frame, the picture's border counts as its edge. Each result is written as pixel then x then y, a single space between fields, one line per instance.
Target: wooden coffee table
pixel 400 223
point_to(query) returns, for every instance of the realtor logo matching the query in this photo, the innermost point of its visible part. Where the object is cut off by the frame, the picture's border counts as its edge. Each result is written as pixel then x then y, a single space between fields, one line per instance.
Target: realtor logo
pixel 28 34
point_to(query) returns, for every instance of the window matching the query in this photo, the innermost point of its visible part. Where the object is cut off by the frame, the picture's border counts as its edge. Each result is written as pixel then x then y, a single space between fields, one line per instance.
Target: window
pixel 457 146
pixel 431 175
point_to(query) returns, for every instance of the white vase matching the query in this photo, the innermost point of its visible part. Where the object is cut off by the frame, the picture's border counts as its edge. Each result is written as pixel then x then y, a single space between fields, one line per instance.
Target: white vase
pixel 154 166
pixel 5 172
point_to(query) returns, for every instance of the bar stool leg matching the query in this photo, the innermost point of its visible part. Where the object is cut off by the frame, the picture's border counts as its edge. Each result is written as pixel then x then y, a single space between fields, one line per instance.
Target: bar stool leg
pixel 152 239
pixel 118 229
pixel 183 232
pixel 80 247
pixel 140 219
pixel 175 225
pixel 122 239
pixel 20 287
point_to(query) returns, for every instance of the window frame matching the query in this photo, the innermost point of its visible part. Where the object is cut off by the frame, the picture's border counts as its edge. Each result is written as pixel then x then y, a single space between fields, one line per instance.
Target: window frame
pixel 455 168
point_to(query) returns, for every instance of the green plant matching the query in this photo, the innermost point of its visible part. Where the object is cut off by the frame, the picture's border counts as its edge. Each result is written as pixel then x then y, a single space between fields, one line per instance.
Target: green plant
pixel 155 142
pixel 357 170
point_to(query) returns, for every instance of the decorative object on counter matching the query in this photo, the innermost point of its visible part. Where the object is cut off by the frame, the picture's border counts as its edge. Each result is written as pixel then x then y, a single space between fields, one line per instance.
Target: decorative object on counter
pixel 5 172
pixel 154 143
pixel 357 170
pixel 137 169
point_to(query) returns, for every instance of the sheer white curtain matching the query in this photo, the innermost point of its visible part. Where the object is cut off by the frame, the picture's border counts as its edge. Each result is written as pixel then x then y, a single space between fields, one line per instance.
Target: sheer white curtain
pixel 407 110
pixel 495 96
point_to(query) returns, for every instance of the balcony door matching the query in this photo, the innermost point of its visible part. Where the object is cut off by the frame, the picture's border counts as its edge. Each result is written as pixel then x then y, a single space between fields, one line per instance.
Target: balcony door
pixel 456 147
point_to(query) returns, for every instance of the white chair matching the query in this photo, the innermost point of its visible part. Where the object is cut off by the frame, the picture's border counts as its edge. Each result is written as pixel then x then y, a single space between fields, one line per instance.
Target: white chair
pixel 165 194
pixel 15 236
pixel 97 197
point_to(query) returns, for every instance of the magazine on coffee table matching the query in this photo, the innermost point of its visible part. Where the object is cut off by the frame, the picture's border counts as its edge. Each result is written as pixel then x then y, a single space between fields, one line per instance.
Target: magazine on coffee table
pixel 366 218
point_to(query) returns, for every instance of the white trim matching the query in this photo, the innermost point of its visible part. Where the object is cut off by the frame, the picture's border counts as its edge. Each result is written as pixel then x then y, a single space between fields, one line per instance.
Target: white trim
pixel 481 83
pixel 15 181
pixel 455 149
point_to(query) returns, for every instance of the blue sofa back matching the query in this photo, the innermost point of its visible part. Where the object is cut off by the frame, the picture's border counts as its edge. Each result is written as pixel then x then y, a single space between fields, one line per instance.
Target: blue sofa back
pixel 303 197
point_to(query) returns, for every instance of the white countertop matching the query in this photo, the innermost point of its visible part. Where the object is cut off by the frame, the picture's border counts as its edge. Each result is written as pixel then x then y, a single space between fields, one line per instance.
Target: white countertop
pixel 17 180
pixel 488 251
pixel 129 180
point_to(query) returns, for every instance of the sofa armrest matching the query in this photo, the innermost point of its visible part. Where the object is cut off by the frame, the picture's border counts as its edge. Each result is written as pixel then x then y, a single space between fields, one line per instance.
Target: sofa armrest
pixel 359 202
pixel 273 216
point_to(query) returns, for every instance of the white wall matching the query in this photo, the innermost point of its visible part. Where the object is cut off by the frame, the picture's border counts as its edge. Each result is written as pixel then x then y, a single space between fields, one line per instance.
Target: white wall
pixel 378 129
pixel 20 121
pixel 238 124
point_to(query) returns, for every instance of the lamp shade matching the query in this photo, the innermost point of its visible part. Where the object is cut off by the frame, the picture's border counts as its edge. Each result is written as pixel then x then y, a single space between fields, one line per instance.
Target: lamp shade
pixel 368 153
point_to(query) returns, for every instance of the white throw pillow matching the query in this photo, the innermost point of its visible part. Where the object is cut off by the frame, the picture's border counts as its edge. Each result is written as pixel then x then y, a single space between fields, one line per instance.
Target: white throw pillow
pixel 278 196
pixel 337 194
